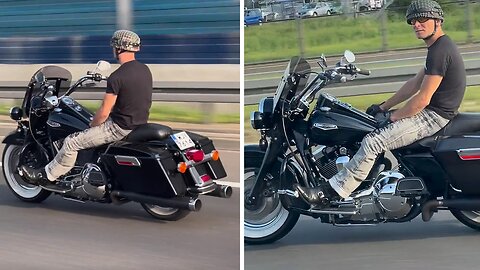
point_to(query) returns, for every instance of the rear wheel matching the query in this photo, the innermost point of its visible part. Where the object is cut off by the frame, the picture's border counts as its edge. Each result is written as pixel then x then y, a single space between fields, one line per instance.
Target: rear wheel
pixel 165 213
pixel 469 218
pixel 20 188
pixel 267 220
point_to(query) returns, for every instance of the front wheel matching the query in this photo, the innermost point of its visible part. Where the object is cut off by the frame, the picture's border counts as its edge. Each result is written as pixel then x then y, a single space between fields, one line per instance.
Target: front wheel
pixel 20 188
pixel 165 213
pixel 267 220
pixel 469 218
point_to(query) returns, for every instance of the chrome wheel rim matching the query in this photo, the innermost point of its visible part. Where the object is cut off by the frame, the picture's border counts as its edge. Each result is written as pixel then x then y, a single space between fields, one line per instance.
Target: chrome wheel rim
pixel 268 216
pixel 15 181
pixel 472 215
pixel 161 211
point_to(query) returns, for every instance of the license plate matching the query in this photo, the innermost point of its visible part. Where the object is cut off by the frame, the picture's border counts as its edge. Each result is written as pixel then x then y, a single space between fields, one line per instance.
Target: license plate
pixel 182 140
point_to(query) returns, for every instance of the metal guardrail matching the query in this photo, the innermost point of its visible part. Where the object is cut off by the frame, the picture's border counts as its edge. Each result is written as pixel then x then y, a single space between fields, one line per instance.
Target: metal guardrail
pixel 209 92
pixel 382 80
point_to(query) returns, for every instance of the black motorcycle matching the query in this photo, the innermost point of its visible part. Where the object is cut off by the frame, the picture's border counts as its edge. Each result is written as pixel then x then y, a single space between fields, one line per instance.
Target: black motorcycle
pixel 305 147
pixel 162 169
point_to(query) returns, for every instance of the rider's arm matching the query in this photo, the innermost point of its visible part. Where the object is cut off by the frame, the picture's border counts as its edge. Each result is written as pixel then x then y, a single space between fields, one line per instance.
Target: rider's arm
pixel 104 111
pixel 420 100
pixel 405 92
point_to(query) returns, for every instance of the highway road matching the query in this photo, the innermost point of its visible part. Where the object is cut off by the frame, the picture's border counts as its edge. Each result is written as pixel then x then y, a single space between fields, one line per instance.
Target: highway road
pixel 441 244
pixel 60 234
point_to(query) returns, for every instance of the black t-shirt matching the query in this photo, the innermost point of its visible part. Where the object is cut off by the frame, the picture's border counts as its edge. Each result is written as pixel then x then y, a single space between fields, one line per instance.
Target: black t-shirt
pixel 444 59
pixel 132 83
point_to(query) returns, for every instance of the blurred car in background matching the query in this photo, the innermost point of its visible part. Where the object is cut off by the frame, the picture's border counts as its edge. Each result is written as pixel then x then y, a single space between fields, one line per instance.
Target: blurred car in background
pixel 336 7
pixel 265 15
pixel 315 9
pixel 252 17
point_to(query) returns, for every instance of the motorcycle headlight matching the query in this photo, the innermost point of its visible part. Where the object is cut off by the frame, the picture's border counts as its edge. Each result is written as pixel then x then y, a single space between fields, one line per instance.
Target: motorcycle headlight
pixel 256 120
pixel 266 105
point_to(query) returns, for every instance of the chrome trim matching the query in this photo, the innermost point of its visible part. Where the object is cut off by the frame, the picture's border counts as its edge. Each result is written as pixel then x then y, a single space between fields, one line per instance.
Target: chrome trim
pixel 53 124
pixel 130 159
pixel 166 175
pixel 325 126
pixel 325 109
pixel 468 152
pixel 261 105
pixel 288 192
pixel 333 212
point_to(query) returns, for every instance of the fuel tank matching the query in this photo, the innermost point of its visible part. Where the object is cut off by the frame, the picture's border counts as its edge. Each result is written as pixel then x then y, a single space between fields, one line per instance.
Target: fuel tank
pixel 329 127
pixel 68 118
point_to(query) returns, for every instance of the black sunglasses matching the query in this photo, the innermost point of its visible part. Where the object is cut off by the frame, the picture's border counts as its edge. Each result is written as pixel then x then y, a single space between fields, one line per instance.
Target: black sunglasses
pixel 420 20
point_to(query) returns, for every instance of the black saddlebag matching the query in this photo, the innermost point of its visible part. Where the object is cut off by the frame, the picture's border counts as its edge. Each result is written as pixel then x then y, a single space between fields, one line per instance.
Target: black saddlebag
pixel 145 169
pixel 460 158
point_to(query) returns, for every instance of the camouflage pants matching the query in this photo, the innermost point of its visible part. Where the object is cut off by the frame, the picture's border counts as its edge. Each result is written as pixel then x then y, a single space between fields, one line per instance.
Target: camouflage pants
pixel 65 159
pixel 400 133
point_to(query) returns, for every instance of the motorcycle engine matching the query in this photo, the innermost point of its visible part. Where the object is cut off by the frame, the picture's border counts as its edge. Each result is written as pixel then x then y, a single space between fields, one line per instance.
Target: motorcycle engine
pixel 90 183
pixel 93 180
pixel 379 202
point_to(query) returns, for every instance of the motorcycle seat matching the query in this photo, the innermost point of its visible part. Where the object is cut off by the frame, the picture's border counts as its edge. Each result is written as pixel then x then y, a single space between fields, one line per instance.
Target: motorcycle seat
pixel 461 124
pixel 149 132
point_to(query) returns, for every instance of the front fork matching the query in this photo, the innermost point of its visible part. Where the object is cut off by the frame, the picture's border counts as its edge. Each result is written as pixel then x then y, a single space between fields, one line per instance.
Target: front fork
pixel 273 148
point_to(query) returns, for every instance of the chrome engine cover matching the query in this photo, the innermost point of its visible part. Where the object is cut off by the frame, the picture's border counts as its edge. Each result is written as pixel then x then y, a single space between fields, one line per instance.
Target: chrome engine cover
pixel 89 184
pixel 93 181
pixel 379 202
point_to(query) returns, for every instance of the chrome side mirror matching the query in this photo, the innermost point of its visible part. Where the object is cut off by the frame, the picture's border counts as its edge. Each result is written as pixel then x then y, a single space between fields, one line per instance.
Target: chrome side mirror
pixel 348 57
pixel 103 65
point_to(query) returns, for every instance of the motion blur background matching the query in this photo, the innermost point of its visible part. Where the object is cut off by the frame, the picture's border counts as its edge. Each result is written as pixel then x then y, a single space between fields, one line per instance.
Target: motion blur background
pixel 375 30
pixel 192 47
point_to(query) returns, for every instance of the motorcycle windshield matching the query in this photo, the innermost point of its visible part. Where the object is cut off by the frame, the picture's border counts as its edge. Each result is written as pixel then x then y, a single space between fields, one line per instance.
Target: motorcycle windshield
pixel 297 65
pixel 56 75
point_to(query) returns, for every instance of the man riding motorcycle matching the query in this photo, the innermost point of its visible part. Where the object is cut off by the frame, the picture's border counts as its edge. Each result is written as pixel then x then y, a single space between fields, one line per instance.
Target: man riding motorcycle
pixel 434 96
pixel 125 106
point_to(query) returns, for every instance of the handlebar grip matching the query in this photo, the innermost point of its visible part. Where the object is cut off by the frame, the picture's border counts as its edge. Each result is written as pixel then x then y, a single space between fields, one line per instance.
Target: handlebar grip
pixel 364 72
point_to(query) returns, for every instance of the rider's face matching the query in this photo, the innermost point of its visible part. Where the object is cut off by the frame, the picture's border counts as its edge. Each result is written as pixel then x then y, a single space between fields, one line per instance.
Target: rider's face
pixel 423 27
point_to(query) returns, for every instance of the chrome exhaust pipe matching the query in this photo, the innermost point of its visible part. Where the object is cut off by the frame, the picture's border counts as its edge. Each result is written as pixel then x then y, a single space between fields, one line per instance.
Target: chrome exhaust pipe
pixel 222 191
pixel 187 203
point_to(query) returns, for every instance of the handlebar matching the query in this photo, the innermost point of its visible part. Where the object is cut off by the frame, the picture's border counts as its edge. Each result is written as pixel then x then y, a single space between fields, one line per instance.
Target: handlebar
pixel 337 74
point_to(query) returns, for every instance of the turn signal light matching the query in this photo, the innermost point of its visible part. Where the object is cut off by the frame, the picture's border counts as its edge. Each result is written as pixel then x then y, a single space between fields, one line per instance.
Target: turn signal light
pixel 215 155
pixel 182 167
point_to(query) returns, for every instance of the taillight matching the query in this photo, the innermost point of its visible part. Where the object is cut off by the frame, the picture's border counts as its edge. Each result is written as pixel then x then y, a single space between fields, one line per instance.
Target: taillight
pixel 205 178
pixel 215 155
pixel 196 155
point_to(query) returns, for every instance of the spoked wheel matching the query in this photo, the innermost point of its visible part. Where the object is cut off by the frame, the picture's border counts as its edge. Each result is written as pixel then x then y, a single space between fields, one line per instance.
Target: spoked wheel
pixel 165 213
pixel 469 218
pixel 20 188
pixel 267 220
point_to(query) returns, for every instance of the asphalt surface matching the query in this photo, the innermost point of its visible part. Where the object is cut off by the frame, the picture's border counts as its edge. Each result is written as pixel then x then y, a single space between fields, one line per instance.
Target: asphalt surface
pixel 61 234
pixel 441 244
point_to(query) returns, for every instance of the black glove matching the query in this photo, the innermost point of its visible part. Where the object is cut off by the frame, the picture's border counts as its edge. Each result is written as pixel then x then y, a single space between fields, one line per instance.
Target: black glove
pixel 383 119
pixel 374 109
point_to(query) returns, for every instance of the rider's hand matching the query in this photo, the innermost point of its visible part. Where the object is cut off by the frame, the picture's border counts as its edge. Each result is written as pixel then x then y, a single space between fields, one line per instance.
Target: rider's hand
pixel 374 109
pixel 384 119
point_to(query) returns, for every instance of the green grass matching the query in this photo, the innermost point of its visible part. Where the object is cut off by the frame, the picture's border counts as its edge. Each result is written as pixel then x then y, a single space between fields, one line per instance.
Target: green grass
pixel 159 112
pixel 333 35
pixel 470 103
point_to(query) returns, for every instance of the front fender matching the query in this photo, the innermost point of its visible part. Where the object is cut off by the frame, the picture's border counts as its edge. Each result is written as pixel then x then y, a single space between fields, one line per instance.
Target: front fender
pixel 14 138
pixel 252 150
